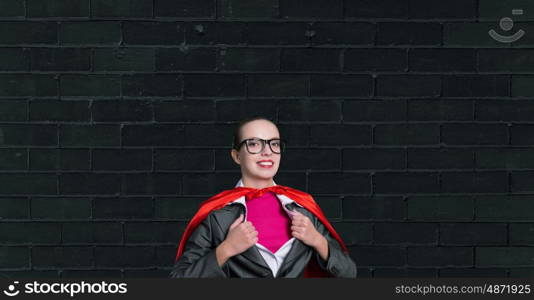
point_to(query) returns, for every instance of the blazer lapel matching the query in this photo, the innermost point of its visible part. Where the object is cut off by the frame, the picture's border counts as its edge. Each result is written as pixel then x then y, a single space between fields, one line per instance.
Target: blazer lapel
pixel 253 254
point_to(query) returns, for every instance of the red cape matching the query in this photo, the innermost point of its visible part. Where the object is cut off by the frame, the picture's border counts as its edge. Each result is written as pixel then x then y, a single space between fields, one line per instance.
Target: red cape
pixel 220 200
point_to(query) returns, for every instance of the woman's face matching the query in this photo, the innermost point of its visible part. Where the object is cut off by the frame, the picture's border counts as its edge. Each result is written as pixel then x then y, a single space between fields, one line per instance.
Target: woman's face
pixel 250 167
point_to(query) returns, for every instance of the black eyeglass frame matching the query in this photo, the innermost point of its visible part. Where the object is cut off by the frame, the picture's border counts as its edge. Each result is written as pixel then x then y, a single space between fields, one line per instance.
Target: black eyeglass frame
pixel 268 142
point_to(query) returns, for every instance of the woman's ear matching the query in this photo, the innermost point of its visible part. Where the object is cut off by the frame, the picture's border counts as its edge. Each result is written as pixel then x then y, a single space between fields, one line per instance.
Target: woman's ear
pixel 235 156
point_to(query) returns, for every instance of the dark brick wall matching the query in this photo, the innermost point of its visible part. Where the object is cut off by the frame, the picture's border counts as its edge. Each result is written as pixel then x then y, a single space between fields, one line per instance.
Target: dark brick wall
pixel 409 124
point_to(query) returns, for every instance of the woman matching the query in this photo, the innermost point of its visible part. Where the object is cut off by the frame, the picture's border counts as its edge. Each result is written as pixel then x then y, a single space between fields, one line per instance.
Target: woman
pixel 259 228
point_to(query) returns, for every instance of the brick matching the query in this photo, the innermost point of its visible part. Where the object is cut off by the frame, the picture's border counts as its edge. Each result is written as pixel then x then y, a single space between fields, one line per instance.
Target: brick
pixel 249 59
pixel 351 135
pixel 58 8
pixel 90 85
pixel 474 134
pixel 455 234
pixel 470 182
pixel 13 159
pixel 152 33
pixel 89 135
pixel 149 273
pixel 184 111
pixel 374 208
pixel 122 111
pixel 315 60
pixel 229 33
pixel 504 208
pixel 13 111
pixel 440 256
pixel 153 135
pixel 504 256
pixel 341 33
pixel 375 60
pixel 121 8
pixel 61 208
pixel 195 85
pixel 407 182
pixel 472 272
pixel 124 256
pixel 274 85
pixel 209 135
pixel 177 208
pixel 456 9
pixel 151 232
pixel 92 233
pixel 341 85
pixel 186 59
pixel 408 86
pixel 339 183
pixel 521 272
pixel 521 181
pixel 470 35
pixel 183 159
pixel 387 110
pixel 61 257
pixel 436 208
pixel 240 9
pixel 409 33
pixel 185 9
pixel 28 135
pixel 14 59
pixel 122 160
pixel 410 134
pixel 205 183
pixel 355 233
pixel 14 257
pixel 331 206
pixel 151 184
pixel 376 9
pixel 91 273
pixel 505 60
pixel 165 257
pixel 522 86
pixel 34 33
pixel 59 159
pixel 124 59
pixel 309 110
pixel 92 33
pixel 443 60
pixel 123 208
pixel 405 233
pixel 508 158
pixel 275 33
pixel 440 110
pixel 205 33
pixel 379 255
pixel 12 8
pixel 496 10
pixel 310 159
pixel 521 234
pixel 499 110
pixel 162 85
pixel 59 111
pixel 476 86
pixel 30 233
pixel 314 9
pixel 28 183
pixel 373 159
pixel 89 184
pixel 14 208
pixel 444 158
pixel 33 85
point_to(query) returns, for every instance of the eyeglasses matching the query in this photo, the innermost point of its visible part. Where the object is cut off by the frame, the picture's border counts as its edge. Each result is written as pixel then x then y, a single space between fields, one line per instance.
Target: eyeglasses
pixel 256 145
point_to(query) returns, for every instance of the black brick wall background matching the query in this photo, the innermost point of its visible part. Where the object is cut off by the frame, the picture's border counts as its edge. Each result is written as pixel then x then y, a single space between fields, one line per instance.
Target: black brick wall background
pixel 412 128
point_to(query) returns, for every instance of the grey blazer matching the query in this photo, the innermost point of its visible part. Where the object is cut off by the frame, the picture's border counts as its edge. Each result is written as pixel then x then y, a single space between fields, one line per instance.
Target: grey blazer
pixel 199 260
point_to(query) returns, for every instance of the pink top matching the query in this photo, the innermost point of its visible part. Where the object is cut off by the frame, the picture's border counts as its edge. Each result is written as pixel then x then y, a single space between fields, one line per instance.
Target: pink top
pixel 270 220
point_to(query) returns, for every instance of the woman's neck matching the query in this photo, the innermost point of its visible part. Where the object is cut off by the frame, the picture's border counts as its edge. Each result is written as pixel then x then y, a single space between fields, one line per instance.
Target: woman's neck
pixel 257 184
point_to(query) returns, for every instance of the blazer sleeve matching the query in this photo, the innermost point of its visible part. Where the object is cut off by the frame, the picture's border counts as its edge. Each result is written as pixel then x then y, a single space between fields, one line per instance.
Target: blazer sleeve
pixel 338 263
pixel 198 259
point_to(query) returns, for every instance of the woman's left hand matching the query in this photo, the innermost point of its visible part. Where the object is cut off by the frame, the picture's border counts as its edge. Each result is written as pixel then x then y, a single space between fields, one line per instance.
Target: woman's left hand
pixel 302 228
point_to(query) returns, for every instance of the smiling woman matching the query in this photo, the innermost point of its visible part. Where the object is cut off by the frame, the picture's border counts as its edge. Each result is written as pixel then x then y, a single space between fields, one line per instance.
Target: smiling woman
pixel 259 228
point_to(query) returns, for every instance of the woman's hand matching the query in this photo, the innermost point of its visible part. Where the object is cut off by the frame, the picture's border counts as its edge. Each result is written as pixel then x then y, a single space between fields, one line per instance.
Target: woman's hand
pixel 241 236
pixel 303 229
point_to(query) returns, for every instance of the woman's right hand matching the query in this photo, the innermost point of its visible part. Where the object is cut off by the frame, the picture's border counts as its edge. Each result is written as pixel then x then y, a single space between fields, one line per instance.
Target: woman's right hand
pixel 241 236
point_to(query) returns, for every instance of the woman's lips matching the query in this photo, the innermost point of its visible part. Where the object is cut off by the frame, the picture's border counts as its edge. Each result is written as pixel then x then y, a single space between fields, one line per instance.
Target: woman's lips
pixel 266 166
